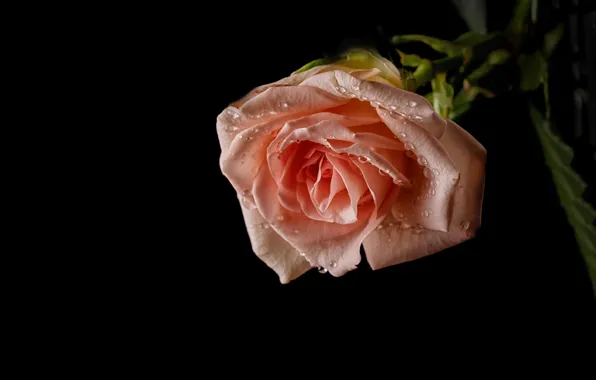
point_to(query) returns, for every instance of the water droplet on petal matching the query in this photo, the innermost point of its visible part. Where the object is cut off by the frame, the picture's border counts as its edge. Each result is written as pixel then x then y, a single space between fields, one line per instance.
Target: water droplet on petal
pixel 422 161
pixel 428 173
pixel 426 213
pixel 364 98
pixel 393 107
pixel 433 192
pixel 436 171
pixel 412 103
pixel 333 264
pixel 302 254
pixel 415 117
pixel 265 226
pixel 322 270
pixel 283 105
pixel 380 227
pixel 403 135
pixel 409 147
pixel 248 138
pixel 409 153
pixel 382 172
pixel 398 182
pixel 378 103
pixel 280 218
pixel 356 88
pixel 434 183
pixel 231 129
pixel 418 229
pixel 363 159
pixel 256 130
pixel 352 95
pixel 464 226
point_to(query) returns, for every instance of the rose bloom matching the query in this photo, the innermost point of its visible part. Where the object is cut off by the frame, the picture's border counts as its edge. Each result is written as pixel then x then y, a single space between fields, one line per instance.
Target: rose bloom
pixel 339 155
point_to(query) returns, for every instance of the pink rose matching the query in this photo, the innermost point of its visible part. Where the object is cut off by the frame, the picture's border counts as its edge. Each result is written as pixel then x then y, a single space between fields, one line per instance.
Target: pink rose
pixel 335 157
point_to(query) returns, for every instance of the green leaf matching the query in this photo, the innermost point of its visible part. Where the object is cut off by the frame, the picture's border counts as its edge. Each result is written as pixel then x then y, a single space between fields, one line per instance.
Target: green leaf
pixel 570 188
pixel 533 70
pixel 315 63
pixel 442 95
pixel 471 38
pixel 551 39
pixel 437 44
pixel 423 73
pixel 518 25
pixel 410 60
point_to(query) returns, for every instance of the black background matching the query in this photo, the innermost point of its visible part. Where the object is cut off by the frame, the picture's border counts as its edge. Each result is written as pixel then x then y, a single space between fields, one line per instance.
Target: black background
pixel 524 256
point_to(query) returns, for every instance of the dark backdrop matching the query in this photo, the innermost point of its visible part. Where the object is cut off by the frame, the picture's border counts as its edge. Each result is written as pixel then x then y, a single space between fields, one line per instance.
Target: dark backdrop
pixel 524 254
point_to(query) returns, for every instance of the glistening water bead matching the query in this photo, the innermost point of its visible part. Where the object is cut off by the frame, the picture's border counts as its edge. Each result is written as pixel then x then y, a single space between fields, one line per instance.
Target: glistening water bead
pixel 409 147
pixel 322 270
pixel 422 161
pixel 402 135
pixel 428 173
pixel 283 105
pixel 412 103
pixel 333 264
pixel 363 159
pixel 464 226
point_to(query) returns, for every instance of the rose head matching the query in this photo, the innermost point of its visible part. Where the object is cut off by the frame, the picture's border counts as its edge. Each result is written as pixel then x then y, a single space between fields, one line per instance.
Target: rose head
pixel 339 155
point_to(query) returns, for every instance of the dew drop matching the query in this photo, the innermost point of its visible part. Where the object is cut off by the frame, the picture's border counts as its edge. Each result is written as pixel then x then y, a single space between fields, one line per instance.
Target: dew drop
pixel 410 147
pixel 422 161
pixel 256 130
pixel 352 95
pixel 302 254
pixel 380 227
pixel 364 98
pixel 398 182
pixel 402 135
pixel 382 172
pixel 283 105
pixel 428 173
pixel 464 226
pixel 410 154
pixel 434 183
pixel 333 264
pixel 231 129
pixel 340 89
pixel 248 138
pixel 379 103
pixel 356 88
pixel 265 226
pixel 426 213
pixel 246 193
pixel 435 171
pixel 322 270
pixel 280 218
pixel 393 107
pixel 363 159
pixel 433 192
pixel 412 103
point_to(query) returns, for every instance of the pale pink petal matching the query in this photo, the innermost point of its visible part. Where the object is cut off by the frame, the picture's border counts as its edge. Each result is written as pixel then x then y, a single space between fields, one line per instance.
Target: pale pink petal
pixel 436 187
pixel 393 245
pixel 272 249
pixel 331 245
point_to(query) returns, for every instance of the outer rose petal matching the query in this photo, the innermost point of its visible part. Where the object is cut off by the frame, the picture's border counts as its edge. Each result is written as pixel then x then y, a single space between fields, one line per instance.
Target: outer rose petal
pixel 392 245
pixel 272 249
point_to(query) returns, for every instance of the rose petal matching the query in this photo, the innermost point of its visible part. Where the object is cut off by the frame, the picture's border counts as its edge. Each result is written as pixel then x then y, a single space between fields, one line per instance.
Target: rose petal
pixel 272 249
pixel 393 245
pixel 331 245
